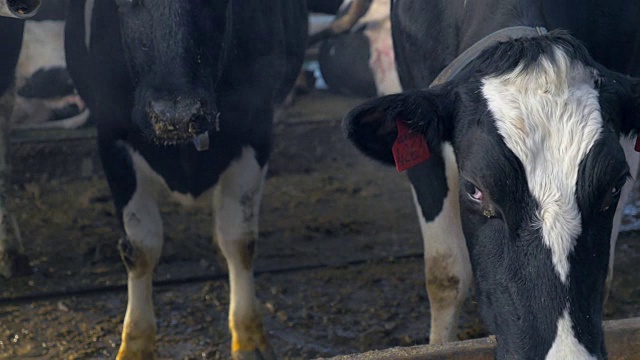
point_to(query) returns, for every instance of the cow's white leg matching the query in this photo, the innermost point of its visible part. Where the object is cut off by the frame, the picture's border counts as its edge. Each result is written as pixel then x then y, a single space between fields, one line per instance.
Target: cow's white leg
pixel 447 265
pixel 236 203
pixel 140 250
pixel 633 159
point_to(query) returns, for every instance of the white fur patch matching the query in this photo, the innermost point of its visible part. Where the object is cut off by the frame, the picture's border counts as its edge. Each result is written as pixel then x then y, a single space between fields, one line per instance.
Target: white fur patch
pixel 566 346
pixel 549 116
pixel 42 48
pixel 237 195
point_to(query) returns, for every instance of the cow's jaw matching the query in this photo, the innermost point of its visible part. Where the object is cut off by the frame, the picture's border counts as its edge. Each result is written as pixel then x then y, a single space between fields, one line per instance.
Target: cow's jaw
pixel 548 115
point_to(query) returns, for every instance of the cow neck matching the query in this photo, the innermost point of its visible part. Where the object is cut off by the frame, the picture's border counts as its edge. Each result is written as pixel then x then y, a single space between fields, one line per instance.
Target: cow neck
pixel 460 62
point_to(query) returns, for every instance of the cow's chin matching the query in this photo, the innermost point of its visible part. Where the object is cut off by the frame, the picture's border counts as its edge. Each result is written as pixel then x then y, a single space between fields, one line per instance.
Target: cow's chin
pixel 172 139
pixel 174 133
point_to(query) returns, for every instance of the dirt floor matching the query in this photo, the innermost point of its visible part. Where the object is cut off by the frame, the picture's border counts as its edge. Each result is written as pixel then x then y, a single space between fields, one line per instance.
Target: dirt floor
pixel 339 266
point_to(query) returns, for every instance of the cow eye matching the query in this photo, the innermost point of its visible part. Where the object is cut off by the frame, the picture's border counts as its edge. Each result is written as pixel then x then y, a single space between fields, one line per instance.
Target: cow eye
pixel 473 191
pixel 614 193
pixel 615 190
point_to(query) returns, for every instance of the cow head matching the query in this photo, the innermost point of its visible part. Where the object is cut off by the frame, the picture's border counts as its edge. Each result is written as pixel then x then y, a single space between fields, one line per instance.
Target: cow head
pixel 535 126
pixel 175 51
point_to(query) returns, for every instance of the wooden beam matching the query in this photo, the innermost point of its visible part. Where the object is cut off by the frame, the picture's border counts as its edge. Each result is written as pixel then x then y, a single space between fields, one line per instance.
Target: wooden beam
pixel 622 338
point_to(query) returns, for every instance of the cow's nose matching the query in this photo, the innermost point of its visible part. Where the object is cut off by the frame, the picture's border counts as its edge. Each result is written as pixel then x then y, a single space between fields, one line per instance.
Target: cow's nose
pixel 177 118
pixel 179 110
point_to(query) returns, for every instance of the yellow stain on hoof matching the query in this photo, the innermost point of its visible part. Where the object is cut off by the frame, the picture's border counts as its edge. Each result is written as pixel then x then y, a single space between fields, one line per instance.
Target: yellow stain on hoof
pixel 137 347
pixel 125 354
pixel 249 335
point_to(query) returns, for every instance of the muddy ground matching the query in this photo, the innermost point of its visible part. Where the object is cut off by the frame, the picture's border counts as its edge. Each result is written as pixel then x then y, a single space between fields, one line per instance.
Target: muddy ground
pixel 339 260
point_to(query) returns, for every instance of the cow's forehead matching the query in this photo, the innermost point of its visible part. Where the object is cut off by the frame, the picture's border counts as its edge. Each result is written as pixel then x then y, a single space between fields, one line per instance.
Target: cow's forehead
pixel 548 115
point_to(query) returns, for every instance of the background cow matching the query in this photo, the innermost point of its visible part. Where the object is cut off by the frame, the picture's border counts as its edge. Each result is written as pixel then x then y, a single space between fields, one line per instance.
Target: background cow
pixel 355 51
pixel 27 85
pixel 183 96
pixel 46 96
pixel 529 160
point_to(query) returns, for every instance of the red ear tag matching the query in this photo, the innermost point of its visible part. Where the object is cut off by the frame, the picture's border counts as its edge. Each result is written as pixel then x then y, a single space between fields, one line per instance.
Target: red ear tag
pixel 637 147
pixel 410 148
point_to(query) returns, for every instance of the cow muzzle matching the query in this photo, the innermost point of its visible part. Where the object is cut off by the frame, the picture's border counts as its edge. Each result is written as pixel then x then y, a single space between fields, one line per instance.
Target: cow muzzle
pixel 21 9
pixel 181 120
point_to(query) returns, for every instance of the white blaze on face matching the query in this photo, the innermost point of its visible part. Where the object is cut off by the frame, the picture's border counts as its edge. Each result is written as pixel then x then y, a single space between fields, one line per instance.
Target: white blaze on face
pixel 549 116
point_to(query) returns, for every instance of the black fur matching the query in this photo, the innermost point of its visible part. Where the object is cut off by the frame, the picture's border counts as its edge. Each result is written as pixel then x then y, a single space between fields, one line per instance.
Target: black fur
pixel 11 30
pixel 48 83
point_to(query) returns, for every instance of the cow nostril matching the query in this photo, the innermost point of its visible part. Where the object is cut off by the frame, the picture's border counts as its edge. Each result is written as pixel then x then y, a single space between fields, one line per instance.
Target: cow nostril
pixel 198 124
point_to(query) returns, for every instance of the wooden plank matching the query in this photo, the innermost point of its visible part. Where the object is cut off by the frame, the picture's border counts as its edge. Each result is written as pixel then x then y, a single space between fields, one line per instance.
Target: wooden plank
pixel 622 337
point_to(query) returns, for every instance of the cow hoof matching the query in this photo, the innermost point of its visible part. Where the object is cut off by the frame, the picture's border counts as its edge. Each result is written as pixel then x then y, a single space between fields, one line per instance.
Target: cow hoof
pixel 13 263
pixel 124 354
pixel 257 354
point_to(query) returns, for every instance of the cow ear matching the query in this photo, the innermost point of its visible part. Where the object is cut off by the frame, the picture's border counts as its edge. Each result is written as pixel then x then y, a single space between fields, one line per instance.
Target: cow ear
pixel 373 126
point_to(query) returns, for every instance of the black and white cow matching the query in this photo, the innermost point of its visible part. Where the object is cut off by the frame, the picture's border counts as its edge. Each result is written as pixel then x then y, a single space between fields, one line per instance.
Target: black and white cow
pixel 183 96
pixel 359 60
pixel 46 96
pixel 531 146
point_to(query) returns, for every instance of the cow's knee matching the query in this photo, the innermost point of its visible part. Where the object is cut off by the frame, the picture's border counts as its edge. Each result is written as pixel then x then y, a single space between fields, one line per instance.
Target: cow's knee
pixel 141 247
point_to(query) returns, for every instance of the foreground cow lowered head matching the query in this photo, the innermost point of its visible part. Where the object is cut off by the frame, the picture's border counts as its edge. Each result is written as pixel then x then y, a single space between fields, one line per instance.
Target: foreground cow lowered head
pixel 534 126
pixel 183 96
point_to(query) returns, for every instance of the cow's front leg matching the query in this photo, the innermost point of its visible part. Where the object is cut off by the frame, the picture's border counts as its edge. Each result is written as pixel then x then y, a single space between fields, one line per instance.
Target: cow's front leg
pixel 236 204
pixel 140 250
pixel 447 266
